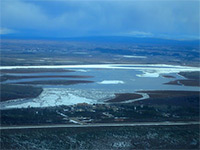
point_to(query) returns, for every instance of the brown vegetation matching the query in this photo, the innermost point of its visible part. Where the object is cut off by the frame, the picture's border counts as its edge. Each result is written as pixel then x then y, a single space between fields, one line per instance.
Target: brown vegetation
pixel 120 97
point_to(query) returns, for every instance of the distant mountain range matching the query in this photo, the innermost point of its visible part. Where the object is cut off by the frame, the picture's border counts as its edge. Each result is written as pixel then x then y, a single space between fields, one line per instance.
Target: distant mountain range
pixel 116 39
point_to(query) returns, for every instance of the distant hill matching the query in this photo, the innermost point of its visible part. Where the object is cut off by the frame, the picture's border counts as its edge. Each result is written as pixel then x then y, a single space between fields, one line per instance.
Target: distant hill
pixel 142 40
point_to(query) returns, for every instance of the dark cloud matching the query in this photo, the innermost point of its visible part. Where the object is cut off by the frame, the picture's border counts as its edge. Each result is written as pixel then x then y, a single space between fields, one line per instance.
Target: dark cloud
pixel 87 18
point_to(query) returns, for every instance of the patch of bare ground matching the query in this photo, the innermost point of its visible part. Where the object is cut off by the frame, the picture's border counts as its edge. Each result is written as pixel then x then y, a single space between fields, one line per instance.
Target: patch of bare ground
pixel 37 70
pixel 193 79
pixel 185 82
pixel 10 92
pixel 9 77
pixel 57 82
pixel 176 98
pixel 168 76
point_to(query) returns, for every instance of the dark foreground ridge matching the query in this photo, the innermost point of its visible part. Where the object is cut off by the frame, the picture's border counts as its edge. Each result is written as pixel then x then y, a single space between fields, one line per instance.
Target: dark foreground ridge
pixel 166 123
pixel 103 138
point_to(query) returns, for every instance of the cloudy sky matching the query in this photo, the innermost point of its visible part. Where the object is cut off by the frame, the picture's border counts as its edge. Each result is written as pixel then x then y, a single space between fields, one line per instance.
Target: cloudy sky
pixel 75 18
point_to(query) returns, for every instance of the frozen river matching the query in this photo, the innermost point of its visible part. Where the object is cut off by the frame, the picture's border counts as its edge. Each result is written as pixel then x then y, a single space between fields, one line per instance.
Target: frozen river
pixel 107 80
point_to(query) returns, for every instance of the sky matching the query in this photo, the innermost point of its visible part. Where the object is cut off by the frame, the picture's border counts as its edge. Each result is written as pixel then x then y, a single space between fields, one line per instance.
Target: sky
pixel 82 18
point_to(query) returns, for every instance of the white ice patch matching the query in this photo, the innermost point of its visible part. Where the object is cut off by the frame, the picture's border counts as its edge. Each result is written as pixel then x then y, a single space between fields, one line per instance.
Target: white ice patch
pixel 149 74
pixel 149 70
pixel 99 95
pixel 131 56
pixel 154 73
pixel 110 66
pixel 51 97
pixel 111 82
pixel 81 70
pixel 144 96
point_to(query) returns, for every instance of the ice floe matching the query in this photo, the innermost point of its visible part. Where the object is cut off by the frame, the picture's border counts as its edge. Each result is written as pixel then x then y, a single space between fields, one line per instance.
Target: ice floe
pixel 111 82
pixel 80 70
pixel 149 70
pixel 149 74
pixel 132 56
pixel 107 66
pixel 49 98
pixel 154 73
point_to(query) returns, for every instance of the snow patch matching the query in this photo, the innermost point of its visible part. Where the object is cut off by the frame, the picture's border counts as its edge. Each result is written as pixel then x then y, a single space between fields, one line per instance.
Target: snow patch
pixel 73 121
pixel 121 144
